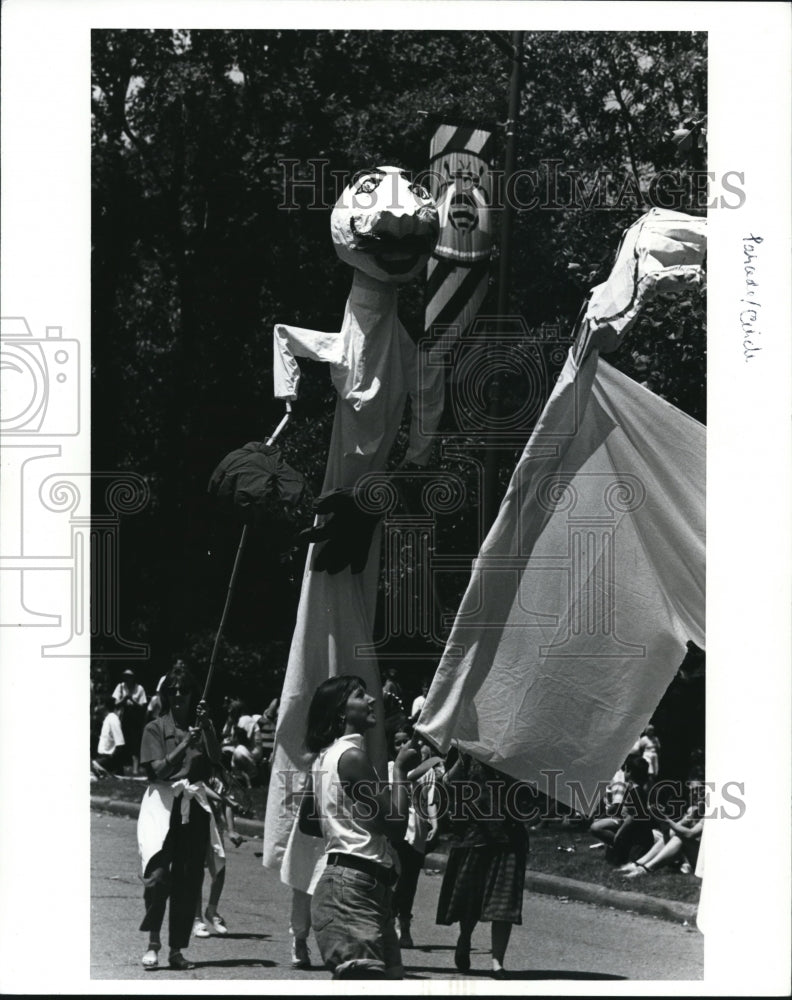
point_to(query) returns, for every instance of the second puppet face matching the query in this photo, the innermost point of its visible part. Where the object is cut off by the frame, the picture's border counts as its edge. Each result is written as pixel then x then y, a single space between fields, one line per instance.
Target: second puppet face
pixel 385 225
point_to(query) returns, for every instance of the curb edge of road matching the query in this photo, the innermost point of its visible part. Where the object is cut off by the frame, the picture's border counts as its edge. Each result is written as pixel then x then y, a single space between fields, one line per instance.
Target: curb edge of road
pixel 552 885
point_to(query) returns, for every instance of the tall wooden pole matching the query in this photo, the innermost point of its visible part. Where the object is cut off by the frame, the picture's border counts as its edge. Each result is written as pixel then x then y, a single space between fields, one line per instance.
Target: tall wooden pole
pixel 491 498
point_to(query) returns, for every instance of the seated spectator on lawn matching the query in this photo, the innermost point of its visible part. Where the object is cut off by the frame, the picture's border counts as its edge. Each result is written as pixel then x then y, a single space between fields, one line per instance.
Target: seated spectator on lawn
pixel 154 708
pixel 110 749
pixel 614 792
pixel 246 725
pixel 233 733
pixel 627 831
pixel 236 745
pixel 130 699
pixel 682 845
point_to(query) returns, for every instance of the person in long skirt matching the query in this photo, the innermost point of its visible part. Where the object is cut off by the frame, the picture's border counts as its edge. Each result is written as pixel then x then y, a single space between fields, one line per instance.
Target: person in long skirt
pixel 485 876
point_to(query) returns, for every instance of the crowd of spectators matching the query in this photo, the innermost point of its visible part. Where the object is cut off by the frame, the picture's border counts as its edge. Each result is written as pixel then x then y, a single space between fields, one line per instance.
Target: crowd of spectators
pixel 647 823
pixel 118 720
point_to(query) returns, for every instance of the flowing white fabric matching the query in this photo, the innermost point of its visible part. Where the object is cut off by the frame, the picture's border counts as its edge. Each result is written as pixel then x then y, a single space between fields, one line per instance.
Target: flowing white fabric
pixel 585 592
pixel 662 252
pixel 374 369
pixel 155 813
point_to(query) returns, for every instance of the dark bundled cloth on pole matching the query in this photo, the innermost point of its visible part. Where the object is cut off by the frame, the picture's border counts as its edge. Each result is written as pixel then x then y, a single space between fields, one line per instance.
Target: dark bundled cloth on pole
pixel 257 482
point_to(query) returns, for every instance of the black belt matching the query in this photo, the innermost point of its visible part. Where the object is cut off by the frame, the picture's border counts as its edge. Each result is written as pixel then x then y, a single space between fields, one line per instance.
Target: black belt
pixel 381 873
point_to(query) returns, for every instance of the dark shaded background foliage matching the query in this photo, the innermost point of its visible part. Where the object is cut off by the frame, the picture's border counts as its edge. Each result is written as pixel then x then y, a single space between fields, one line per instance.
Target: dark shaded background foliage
pixel 193 262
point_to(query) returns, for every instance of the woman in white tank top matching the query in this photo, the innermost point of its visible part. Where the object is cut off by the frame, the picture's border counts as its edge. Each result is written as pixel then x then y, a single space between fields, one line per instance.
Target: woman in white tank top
pixel 358 811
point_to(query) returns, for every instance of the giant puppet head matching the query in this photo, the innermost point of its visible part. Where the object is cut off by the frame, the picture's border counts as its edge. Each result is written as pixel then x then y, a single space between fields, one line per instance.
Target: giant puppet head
pixel 385 225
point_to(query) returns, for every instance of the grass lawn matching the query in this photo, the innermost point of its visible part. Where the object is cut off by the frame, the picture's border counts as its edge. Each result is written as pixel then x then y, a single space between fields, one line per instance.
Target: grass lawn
pixel 549 853
pixel 549 850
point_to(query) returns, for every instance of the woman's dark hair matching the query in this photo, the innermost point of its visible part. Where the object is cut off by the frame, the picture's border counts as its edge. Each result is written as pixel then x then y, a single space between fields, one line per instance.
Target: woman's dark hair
pixel 637 769
pixel 326 711
pixel 178 676
pixel 236 708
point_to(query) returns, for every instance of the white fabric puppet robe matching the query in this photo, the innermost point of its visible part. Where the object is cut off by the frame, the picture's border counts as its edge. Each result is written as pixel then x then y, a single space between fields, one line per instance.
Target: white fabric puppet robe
pixel 374 369
pixel 585 591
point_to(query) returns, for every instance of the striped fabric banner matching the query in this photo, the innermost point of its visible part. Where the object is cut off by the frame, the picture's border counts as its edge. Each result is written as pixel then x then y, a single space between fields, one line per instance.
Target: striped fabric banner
pixel 458 271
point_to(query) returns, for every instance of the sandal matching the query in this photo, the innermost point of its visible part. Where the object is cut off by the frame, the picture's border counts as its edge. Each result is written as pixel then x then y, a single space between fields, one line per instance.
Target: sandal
pixel 217 924
pixel 151 959
pixel 639 870
pixel 177 961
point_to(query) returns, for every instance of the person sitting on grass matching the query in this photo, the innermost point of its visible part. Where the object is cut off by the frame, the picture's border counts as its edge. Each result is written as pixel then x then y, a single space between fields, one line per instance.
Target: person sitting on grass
pixel 236 748
pixel 130 700
pixel 111 749
pixel 684 840
pixel 628 830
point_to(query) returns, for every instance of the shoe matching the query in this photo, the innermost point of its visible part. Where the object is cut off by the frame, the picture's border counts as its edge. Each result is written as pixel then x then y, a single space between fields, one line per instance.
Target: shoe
pixel 499 974
pixel 216 923
pixel 151 958
pixel 405 938
pixel 177 961
pixel 629 867
pixel 686 868
pixel 300 954
pixel 637 873
pixel 200 929
pixel 462 956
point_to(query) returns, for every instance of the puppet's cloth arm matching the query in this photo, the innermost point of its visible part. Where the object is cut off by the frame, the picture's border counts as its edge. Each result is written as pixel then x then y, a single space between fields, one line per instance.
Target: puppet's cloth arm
pixel 292 342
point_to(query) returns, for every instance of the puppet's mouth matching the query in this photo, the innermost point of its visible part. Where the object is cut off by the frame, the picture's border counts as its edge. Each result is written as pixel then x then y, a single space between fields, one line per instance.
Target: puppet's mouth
pixel 397 262
pixel 396 253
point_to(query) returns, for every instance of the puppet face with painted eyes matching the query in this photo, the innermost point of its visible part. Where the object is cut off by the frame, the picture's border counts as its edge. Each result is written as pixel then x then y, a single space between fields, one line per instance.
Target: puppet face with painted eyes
pixel 385 225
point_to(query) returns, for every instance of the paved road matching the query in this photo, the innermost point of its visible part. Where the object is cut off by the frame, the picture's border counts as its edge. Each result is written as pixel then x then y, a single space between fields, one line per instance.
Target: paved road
pixel 557 940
